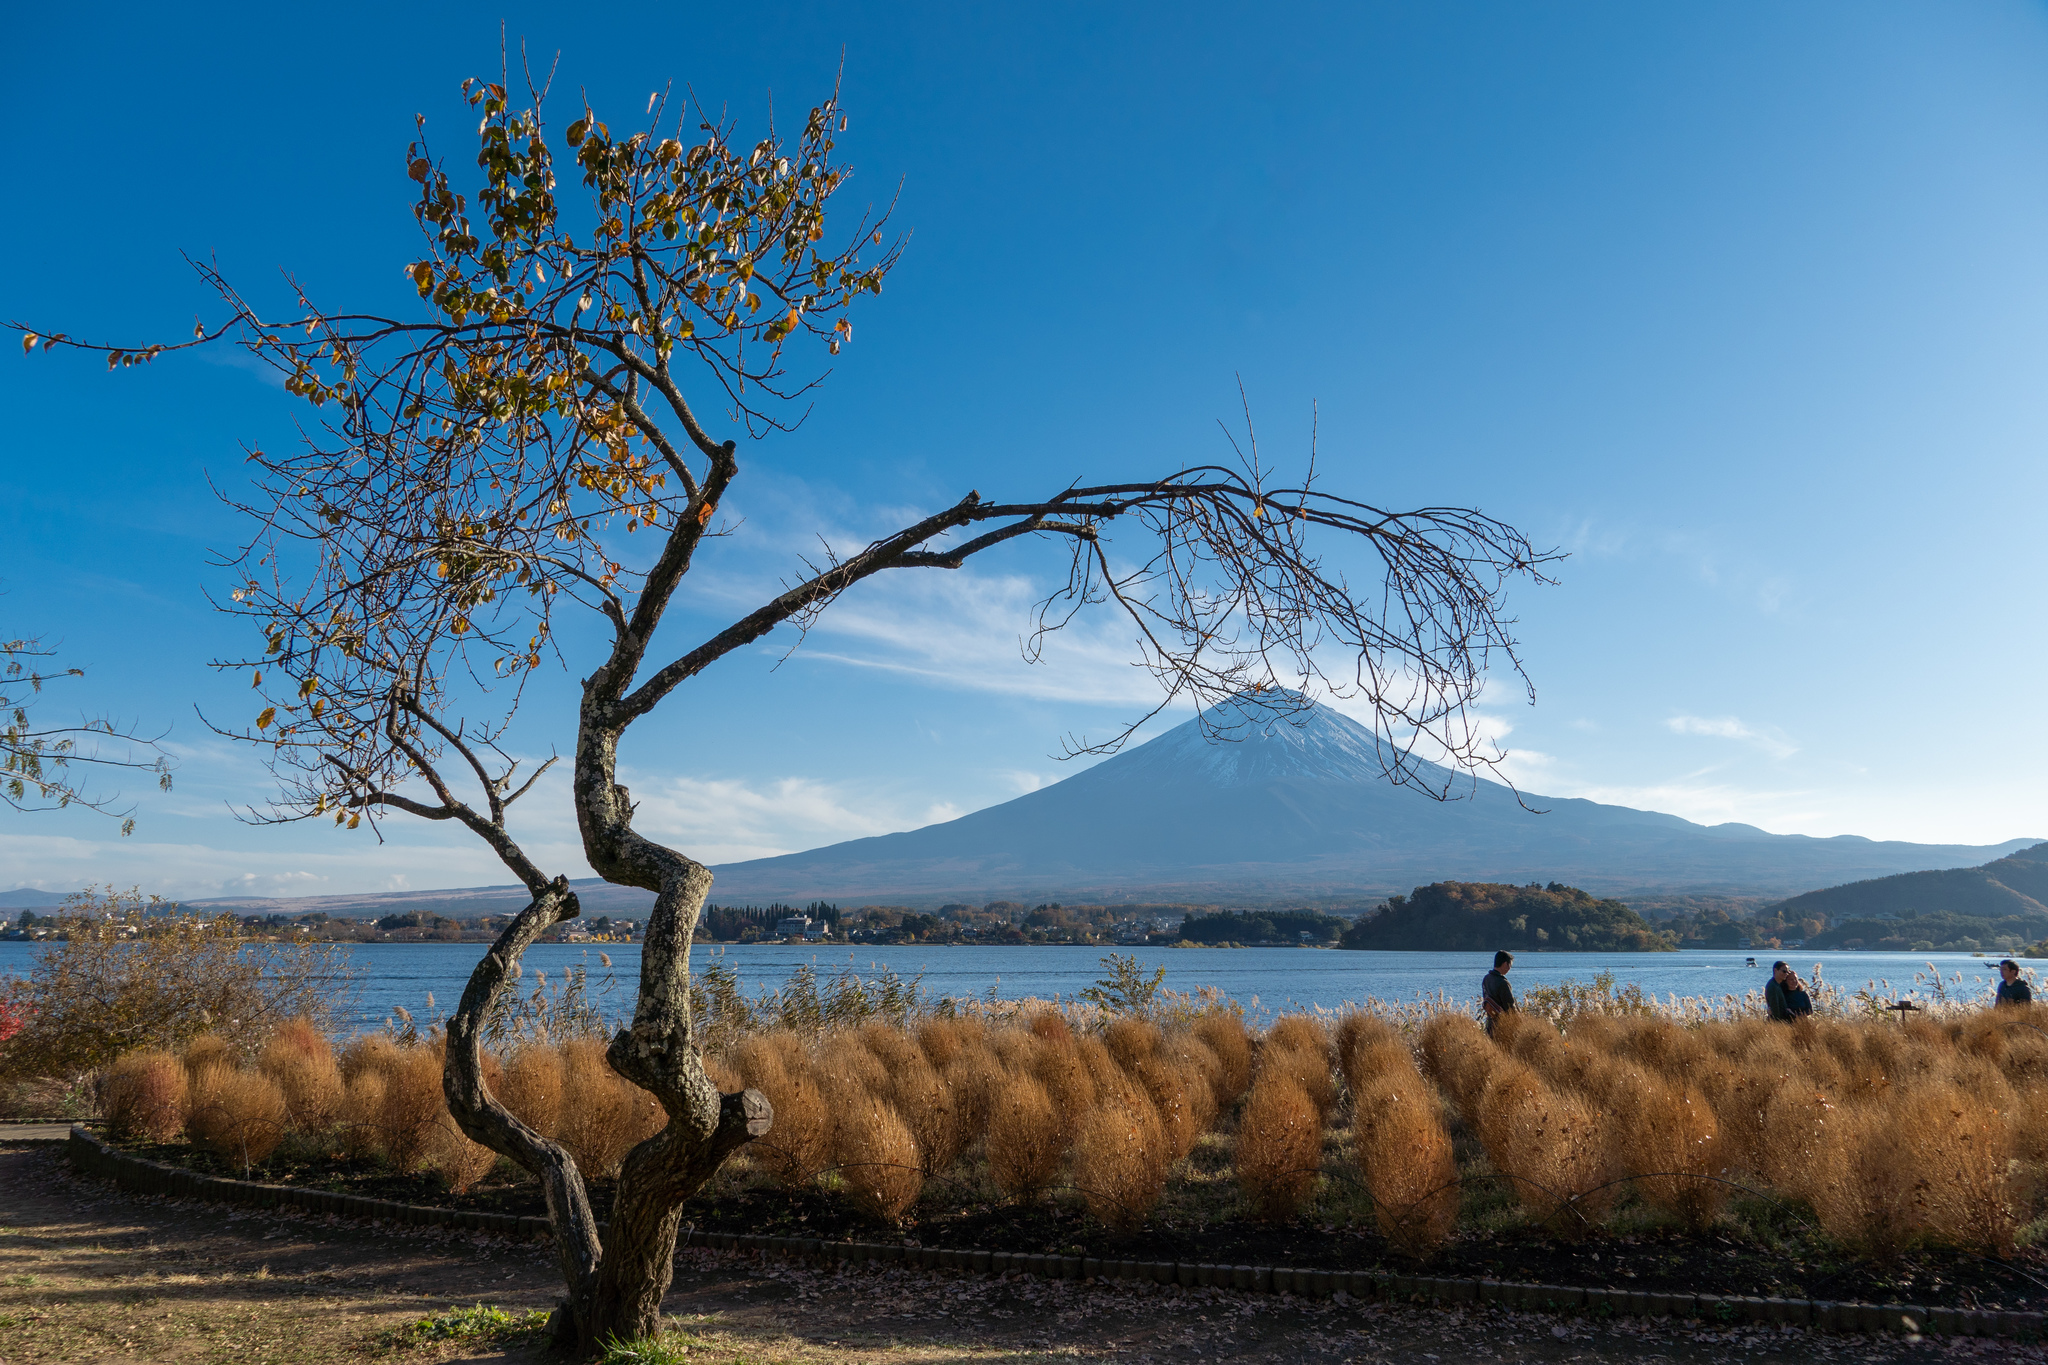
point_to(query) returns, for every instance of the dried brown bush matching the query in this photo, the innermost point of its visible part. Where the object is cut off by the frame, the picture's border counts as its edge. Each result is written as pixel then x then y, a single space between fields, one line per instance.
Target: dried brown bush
pixel 1025 1136
pixel 1179 1094
pixel 1185 1049
pixel 598 1107
pixel 1130 1040
pixel 914 1087
pixel 411 1110
pixel 1299 1032
pixel 1062 1067
pixel 362 1112
pixel 1099 1067
pixel 1459 1057
pixel 1014 1048
pixel 1404 1153
pixel 891 1046
pixel 1307 1067
pixel 371 1052
pixel 1363 1043
pixel 1958 1145
pixel 531 1087
pixel 242 1118
pixel 1050 1026
pixel 1549 1144
pixel 1120 1160
pixel 941 1040
pixel 723 1076
pixel 800 1143
pixel 1665 1134
pixel 144 1096
pixel 1223 1032
pixel 973 1076
pixel 209 1050
pixel 298 1058
pixel 875 1157
pixel 844 1057
pixel 1202 1078
pixel 451 1154
pixel 1279 1152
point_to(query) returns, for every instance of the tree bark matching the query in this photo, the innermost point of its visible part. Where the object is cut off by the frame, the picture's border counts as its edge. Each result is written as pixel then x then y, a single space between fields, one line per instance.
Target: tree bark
pixel 479 1114
pixel 658 1052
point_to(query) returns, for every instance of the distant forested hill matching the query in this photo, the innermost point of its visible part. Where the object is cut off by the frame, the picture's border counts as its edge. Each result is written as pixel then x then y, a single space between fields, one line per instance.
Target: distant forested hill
pixel 1996 907
pixel 1482 916
pixel 1263 926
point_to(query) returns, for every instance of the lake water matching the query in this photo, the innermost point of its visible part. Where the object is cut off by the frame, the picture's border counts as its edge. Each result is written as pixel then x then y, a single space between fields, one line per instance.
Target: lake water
pixel 1264 979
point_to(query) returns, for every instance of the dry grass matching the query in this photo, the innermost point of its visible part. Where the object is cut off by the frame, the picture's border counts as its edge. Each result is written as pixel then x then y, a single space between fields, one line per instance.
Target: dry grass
pixel 1120 1160
pixel 598 1109
pixel 1279 1146
pixel 362 1112
pixel 1405 1155
pixel 1025 1136
pixel 799 1145
pixel 1222 1032
pixel 241 1117
pixel 1299 1047
pixel 208 1050
pixel 144 1096
pixel 1549 1144
pixel 411 1108
pixel 876 1158
pixel 298 1058
pixel 531 1087
pixel 1931 1131
pixel 371 1053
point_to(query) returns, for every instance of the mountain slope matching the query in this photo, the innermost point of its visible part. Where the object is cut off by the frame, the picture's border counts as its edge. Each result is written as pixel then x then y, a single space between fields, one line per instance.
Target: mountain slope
pixel 1302 811
pixel 2011 891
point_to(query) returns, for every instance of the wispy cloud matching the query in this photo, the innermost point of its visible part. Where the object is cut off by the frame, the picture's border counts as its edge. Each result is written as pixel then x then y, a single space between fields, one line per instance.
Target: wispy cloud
pixel 1770 741
pixel 723 821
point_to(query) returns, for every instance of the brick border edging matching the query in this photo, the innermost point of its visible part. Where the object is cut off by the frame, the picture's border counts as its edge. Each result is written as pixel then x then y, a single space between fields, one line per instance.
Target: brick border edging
pixel 87 1152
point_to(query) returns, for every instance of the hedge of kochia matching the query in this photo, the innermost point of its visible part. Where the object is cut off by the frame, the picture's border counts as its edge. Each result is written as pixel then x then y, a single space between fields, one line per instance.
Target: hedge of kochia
pixel 1891 1134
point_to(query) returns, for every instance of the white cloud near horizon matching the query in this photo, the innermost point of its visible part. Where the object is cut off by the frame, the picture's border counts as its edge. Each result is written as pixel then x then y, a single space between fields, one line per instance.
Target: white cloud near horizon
pixel 1728 727
pixel 728 821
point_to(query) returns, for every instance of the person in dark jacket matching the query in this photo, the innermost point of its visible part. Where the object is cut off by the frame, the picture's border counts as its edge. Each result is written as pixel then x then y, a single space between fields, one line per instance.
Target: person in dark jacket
pixel 1775 1001
pixel 2012 990
pixel 1798 1003
pixel 1496 996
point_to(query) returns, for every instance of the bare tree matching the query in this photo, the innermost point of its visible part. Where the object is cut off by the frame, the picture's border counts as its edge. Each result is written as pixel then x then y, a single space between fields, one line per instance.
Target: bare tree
pixel 37 759
pixel 485 461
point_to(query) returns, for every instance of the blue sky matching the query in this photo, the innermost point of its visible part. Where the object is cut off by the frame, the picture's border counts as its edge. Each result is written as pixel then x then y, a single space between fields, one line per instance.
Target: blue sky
pixel 1744 305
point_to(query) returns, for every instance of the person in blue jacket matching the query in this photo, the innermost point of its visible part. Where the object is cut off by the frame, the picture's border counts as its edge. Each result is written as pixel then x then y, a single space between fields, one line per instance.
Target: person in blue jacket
pixel 2013 990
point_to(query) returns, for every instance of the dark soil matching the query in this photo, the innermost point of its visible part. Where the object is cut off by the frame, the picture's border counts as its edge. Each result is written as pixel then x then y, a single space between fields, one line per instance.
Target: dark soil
pixel 1765 1250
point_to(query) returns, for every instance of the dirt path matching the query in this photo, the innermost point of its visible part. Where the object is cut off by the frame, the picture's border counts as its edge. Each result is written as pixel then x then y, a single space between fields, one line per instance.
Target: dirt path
pixel 91 1273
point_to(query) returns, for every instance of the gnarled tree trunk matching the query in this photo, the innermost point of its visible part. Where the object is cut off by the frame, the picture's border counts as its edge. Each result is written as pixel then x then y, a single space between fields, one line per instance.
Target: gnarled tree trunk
pixel 615 1276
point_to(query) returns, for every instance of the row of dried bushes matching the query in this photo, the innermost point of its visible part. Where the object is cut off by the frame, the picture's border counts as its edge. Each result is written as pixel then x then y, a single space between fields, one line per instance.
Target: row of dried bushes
pixel 1893 1134
pixel 376 1099
pixel 1890 1133
pixel 878 1110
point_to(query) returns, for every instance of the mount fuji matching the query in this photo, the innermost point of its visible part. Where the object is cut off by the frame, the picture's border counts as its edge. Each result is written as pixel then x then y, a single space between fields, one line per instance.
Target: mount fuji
pixel 1297 808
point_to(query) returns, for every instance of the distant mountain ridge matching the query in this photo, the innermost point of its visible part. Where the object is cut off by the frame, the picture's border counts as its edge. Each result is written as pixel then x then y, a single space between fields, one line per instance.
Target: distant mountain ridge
pixel 1290 811
pixel 1281 813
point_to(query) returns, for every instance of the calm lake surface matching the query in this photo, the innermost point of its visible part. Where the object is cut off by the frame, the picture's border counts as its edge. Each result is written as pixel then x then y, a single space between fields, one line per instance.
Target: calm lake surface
pixel 1263 979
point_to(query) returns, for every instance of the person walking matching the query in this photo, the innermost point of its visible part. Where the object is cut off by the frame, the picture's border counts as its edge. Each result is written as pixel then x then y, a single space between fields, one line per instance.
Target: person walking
pixel 2012 990
pixel 1496 996
pixel 1775 1001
